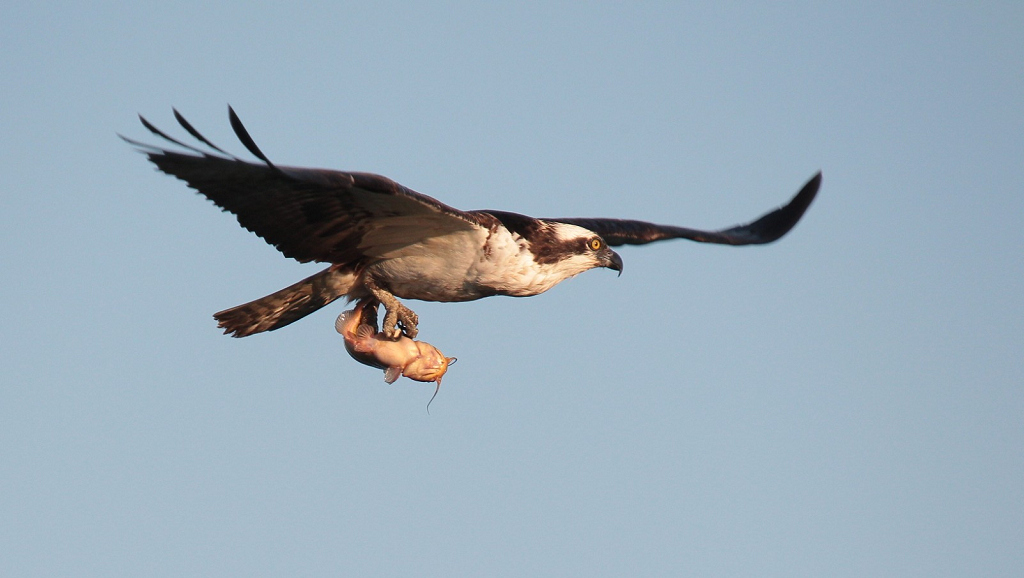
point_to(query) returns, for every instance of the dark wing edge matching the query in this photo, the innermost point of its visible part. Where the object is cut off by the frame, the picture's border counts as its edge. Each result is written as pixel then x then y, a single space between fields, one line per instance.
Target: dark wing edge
pixel 769 227
pixel 308 214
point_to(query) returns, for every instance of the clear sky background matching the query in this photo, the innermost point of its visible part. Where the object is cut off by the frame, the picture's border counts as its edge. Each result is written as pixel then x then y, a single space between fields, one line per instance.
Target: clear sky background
pixel 848 401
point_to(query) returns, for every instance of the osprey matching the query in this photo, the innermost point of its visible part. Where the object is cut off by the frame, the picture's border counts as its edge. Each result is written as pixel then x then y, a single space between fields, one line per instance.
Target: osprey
pixel 385 241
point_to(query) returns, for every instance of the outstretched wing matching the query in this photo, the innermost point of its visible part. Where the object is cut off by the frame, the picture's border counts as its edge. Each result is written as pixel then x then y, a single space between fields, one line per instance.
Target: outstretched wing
pixel 308 214
pixel 766 229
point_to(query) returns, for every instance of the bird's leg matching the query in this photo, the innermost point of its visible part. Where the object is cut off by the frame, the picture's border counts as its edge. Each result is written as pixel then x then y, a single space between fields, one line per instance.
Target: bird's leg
pixel 395 312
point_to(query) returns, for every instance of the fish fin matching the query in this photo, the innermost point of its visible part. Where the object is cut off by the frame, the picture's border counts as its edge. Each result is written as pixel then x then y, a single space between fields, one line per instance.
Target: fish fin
pixel 363 341
pixel 392 373
pixel 364 332
pixel 339 323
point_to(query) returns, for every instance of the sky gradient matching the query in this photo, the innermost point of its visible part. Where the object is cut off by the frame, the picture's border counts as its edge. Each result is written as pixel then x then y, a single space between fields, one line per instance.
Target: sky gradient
pixel 848 401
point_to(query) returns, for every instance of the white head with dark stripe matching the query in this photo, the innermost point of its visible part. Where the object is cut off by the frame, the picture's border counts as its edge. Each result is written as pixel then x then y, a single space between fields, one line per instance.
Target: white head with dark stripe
pixel 573 249
pixel 557 251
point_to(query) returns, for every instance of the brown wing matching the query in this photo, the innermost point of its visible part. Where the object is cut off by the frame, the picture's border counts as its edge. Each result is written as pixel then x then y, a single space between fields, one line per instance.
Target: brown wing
pixel 766 229
pixel 308 214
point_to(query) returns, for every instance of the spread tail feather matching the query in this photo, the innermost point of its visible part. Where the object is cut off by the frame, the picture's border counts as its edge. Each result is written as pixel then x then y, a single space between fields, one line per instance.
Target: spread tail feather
pixel 287 305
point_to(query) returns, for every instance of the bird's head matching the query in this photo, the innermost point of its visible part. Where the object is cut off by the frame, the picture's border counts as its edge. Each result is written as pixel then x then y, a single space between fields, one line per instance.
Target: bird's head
pixel 576 250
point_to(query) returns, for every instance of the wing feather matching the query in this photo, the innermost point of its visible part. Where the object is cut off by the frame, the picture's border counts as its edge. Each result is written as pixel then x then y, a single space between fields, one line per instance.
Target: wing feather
pixel 195 134
pixel 308 214
pixel 767 228
pixel 345 217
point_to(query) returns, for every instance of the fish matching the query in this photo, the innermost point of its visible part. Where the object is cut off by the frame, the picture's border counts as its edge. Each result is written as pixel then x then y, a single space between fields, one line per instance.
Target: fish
pixel 417 360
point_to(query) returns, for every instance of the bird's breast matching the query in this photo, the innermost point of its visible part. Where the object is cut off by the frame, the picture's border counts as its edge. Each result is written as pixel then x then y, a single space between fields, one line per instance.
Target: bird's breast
pixel 462 266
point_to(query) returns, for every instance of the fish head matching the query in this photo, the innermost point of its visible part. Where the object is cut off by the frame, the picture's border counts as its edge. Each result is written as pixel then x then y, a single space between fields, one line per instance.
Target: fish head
pixel 429 365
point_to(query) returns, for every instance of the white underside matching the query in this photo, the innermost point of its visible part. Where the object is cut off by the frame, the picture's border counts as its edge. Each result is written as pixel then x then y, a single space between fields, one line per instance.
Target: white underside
pixel 467 265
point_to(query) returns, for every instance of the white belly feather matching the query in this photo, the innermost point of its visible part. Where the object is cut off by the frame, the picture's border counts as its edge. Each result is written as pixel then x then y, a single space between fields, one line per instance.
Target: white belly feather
pixel 468 265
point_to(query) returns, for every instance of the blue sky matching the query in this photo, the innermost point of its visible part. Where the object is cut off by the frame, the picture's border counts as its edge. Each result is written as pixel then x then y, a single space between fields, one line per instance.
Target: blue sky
pixel 845 402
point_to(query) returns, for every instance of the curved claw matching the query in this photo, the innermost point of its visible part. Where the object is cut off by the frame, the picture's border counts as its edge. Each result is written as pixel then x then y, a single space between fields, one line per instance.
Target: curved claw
pixel 398 321
pixel 390 329
pixel 395 313
pixel 409 321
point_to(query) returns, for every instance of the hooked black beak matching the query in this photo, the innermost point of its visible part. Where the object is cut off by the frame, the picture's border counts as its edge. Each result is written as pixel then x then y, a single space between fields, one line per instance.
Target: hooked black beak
pixel 613 261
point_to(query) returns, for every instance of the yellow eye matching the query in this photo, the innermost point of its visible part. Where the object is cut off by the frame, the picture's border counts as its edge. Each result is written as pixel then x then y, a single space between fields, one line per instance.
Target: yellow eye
pixel 595 244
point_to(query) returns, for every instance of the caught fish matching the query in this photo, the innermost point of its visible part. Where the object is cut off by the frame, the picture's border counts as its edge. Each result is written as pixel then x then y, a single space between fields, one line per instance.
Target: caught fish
pixel 417 360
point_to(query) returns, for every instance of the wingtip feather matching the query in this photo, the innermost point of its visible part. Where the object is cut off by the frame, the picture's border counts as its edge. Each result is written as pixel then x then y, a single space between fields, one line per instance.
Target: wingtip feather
pixel 243 135
pixel 196 134
pixel 153 129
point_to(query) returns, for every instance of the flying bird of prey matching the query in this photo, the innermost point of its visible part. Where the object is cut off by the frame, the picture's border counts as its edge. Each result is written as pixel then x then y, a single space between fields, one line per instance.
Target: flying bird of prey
pixel 385 241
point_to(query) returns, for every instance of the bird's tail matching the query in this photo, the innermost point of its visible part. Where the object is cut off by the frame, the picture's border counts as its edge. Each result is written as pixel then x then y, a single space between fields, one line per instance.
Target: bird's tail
pixel 287 305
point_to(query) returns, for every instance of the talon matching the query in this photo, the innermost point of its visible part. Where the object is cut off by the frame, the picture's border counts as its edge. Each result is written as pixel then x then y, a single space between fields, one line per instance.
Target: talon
pixel 398 318
pixel 409 321
pixel 390 329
